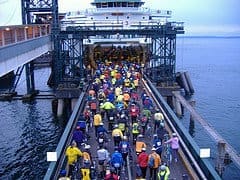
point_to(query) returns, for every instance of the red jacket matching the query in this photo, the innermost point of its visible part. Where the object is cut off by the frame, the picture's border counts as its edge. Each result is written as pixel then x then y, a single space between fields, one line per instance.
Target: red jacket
pixel 108 176
pixel 142 159
pixel 134 111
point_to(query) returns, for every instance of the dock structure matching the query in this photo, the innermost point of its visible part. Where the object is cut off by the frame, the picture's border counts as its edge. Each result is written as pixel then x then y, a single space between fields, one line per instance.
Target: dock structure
pixel 209 129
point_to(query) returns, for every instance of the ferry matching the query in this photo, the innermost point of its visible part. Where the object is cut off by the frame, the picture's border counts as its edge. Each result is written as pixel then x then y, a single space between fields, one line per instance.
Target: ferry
pixel 107 30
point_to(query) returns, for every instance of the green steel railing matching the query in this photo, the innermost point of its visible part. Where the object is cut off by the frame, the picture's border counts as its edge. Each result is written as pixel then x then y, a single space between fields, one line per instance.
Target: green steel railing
pixel 55 167
pixel 204 164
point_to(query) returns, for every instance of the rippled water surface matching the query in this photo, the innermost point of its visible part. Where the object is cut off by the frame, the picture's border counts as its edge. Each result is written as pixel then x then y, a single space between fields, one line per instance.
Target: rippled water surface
pixel 27 132
pixel 214 67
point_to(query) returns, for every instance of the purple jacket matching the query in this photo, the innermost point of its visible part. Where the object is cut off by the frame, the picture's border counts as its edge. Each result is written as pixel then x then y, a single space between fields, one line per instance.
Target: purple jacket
pixel 174 142
pixel 78 136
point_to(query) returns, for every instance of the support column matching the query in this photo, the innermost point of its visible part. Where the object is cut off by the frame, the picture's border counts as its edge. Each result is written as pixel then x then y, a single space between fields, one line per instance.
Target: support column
pixel 178 105
pixel 191 122
pixel 60 107
pixel 73 103
pixel 29 68
pixel 220 159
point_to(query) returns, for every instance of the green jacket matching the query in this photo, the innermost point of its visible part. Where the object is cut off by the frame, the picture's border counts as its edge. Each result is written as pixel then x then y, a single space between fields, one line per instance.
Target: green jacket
pixel 163 175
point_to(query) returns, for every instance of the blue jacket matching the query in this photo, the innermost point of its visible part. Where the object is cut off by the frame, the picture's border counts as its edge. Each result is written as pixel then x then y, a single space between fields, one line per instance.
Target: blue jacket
pixel 78 136
pixel 116 158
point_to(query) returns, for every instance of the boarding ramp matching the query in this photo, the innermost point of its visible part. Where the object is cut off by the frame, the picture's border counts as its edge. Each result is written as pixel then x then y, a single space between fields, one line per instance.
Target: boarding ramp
pixel 191 164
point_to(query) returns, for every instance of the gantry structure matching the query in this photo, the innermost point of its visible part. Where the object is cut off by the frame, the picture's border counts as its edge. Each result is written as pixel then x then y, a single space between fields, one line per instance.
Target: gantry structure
pixel 69 47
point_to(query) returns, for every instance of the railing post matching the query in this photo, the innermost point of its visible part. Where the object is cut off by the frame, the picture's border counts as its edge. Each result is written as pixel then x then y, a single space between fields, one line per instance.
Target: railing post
pixel 220 159
pixel 191 122
pixel 3 39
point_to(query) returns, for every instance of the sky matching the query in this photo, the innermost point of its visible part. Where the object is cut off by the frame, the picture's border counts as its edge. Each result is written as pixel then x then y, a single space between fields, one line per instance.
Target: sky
pixel 200 17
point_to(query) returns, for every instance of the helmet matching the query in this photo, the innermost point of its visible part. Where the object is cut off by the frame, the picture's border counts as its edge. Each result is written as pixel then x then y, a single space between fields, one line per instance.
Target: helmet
pixel 163 167
pixel 116 126
pixel 115 148
pixel 78 127
pixel 125 137
pixel 63 172
pixel 87 146
pixel 122 115
pixel 100 123
pixel 143 149
pixel 153 149
pixel 174 134
pixel 155 135
pixel 140 135
pixel 112 170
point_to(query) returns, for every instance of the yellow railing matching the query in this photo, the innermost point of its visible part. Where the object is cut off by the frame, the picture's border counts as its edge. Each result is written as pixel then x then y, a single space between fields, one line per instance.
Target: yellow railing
pixel 14 34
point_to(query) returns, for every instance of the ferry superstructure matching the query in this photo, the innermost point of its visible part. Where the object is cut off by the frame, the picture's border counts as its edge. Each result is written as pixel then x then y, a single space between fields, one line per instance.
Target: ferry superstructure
pixel 127 14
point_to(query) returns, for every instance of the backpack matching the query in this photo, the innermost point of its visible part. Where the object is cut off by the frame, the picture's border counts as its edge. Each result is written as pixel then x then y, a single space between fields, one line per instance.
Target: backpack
pixel 121 126
pixel 116 159
pixel 93 105
pixel 124 147
pixel 144 121
pixel 151 161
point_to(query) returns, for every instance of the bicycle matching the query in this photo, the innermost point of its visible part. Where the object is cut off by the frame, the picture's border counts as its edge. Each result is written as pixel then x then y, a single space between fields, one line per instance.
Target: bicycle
pixel 76 170
pixel 149 130
pixel 167 151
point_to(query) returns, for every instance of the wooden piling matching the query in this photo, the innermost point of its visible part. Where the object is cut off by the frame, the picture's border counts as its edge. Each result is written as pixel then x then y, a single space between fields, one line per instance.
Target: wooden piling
pixel 209 129
pixel 220 159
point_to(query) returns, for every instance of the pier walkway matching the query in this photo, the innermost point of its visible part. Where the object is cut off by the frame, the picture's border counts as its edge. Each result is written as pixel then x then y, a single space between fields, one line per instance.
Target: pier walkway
pixel 184 168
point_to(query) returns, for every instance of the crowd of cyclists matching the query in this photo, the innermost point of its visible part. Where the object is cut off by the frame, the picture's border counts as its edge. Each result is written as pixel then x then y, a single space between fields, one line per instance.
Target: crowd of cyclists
pixel 121 119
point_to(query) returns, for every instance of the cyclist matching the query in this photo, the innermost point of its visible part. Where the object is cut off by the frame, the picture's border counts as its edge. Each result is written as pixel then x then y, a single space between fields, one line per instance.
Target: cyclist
pixel 163 173
pixel 158 119
pixel 157 144
pixel 124 148
pixel 112 175
pixel 135 131
pixel 78 136
pixel 142 161
pixel 103 158
pixel 97 119
pixel 143 123
pixel 161 131
pixel 85 170
pixel 140 144
pixel 134 112
pixel 117 135
pixel 174 141
pixel 156 163
pixel 107 106
pixel 117 160
pixel 122 122
pixel 72 154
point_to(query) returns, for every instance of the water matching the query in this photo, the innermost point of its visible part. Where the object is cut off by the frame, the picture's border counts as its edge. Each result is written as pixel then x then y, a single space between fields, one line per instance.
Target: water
pixel 214 67
pixel 29 130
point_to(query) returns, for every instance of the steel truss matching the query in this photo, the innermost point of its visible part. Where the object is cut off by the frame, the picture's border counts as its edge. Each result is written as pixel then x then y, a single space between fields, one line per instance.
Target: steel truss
pixel 163 59
pixel 68 66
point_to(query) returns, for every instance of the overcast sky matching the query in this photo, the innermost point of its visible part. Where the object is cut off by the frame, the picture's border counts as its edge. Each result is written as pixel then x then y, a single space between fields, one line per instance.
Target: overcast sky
pixel 200 16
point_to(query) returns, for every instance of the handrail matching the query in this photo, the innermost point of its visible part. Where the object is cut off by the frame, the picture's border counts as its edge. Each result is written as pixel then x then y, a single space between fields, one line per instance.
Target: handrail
pixel 204 164
pixel 54 167
pixel 18 33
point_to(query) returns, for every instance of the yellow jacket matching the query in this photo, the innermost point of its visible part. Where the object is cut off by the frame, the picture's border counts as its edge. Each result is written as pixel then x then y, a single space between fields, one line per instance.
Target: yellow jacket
pixel 72 154
pixel 97 119
pixel 117 132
